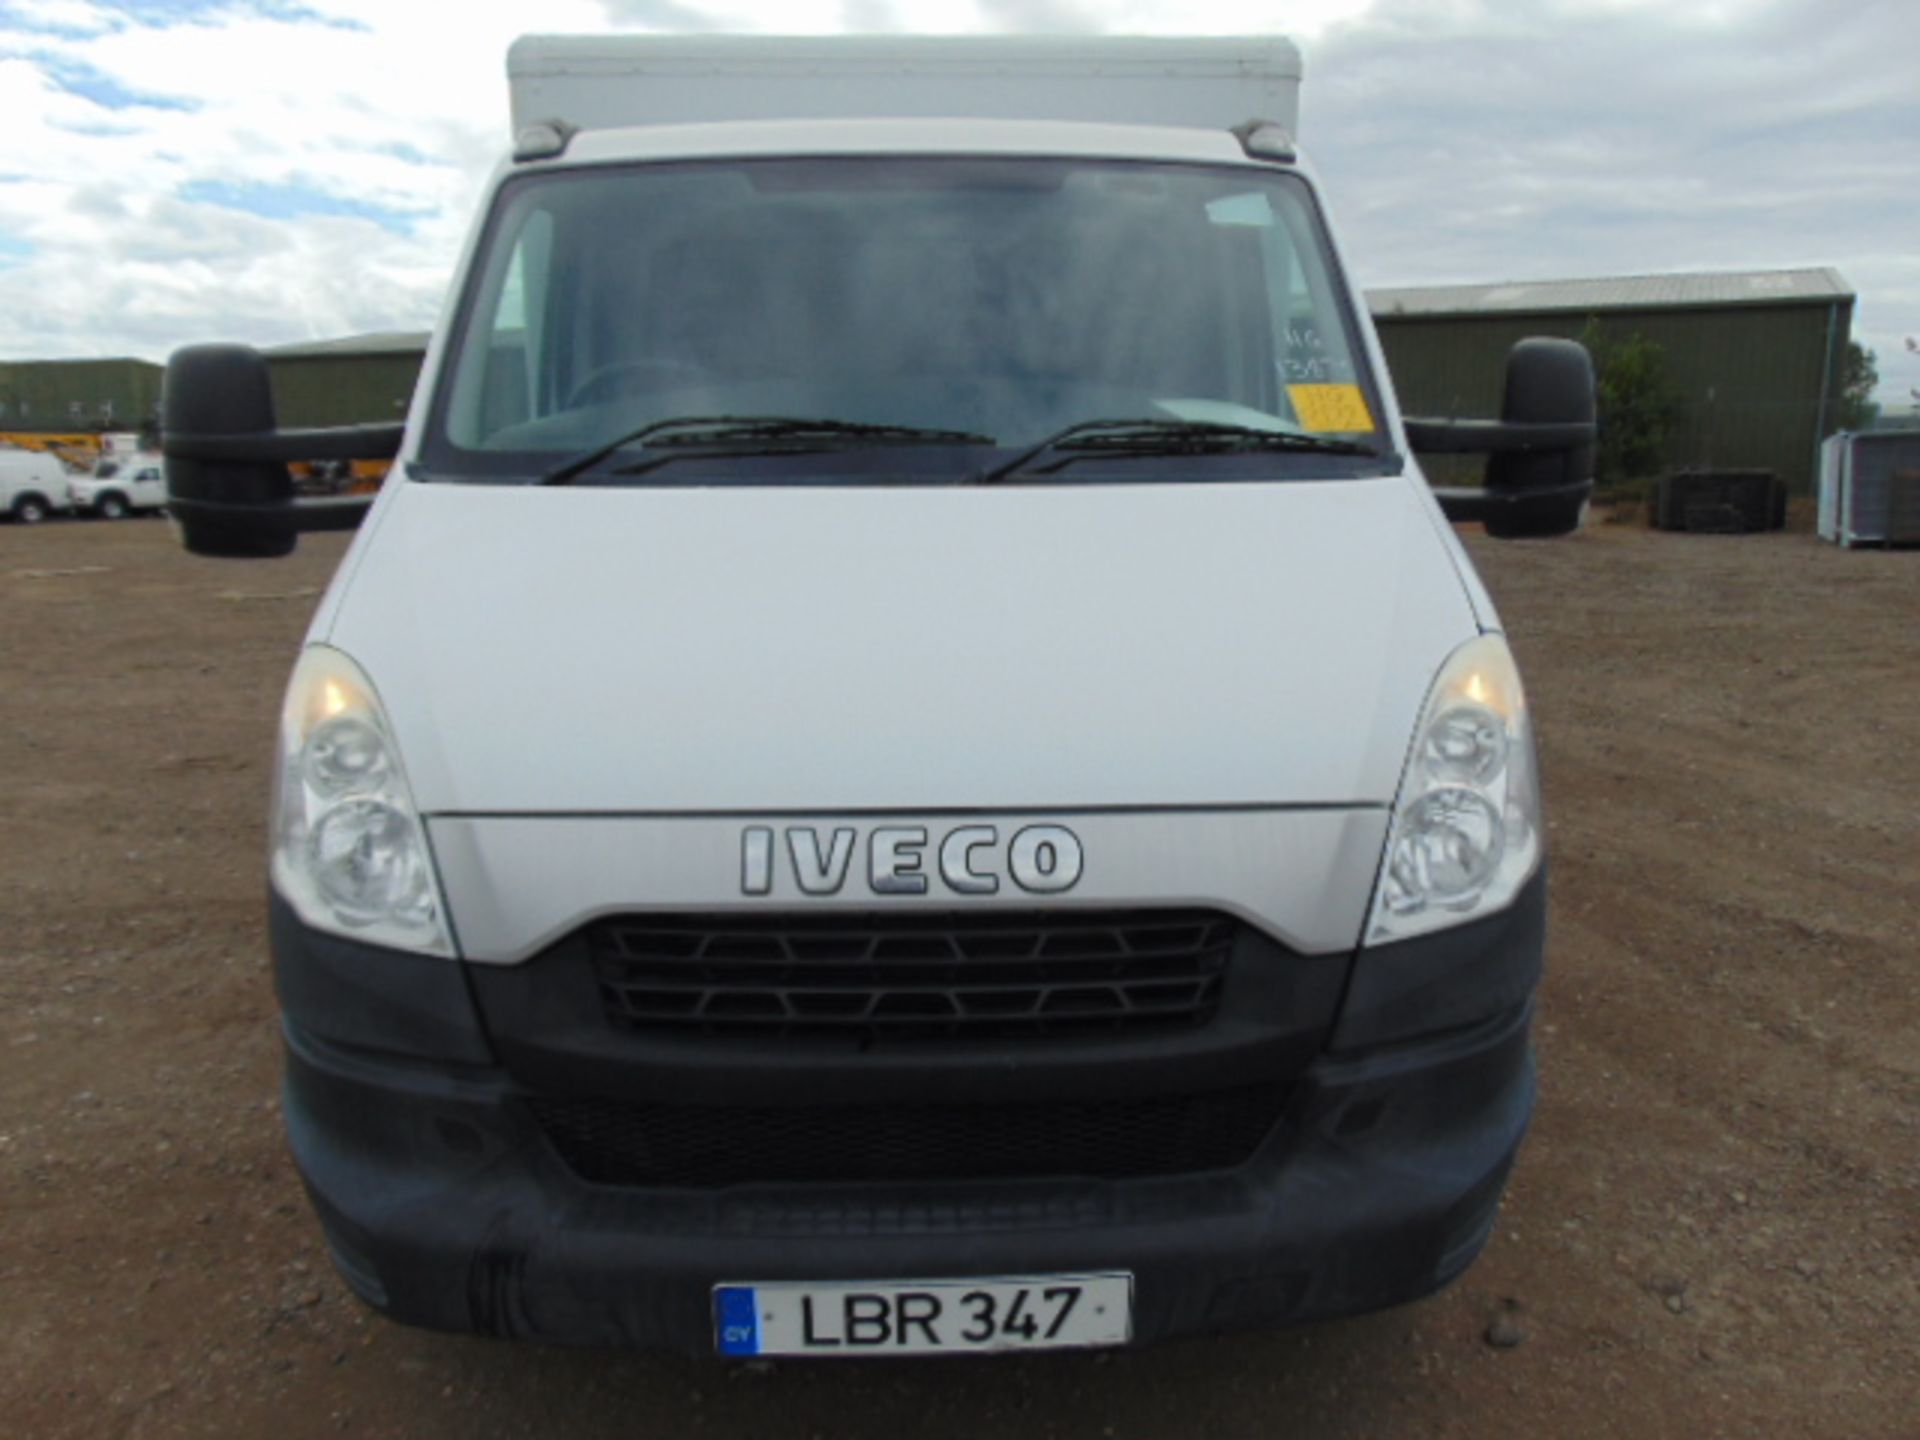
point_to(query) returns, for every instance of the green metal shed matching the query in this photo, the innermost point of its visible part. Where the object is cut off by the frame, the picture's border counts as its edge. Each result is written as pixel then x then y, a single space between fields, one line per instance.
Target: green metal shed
pixel 1757 356
pixel 360 379
pixel 60 396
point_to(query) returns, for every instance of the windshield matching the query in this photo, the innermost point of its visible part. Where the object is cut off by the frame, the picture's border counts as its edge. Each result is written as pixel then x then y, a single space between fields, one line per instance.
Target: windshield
pixel 986 303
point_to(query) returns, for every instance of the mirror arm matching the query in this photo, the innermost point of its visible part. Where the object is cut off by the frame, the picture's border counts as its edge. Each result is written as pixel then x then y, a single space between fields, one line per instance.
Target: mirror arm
pixel 1487 437
pixel 304 516
pixel 331 512
pixel 1471 504
pixel 343 442
pixel 1464 505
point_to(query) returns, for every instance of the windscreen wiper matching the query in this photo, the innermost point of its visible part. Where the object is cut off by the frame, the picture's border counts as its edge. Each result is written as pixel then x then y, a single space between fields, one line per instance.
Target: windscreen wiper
pixel 754 435
pixel 1163 437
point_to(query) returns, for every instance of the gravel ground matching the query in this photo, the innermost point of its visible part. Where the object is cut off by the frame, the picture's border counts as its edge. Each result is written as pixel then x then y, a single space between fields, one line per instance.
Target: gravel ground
pixel 1714 1229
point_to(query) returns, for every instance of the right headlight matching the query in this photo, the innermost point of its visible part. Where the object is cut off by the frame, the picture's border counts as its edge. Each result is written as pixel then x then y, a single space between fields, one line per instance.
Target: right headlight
pixel 349 852
pixel 1465 834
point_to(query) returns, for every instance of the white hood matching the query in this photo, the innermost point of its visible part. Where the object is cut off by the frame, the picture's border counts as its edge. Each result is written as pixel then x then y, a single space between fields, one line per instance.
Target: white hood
pixel 828 650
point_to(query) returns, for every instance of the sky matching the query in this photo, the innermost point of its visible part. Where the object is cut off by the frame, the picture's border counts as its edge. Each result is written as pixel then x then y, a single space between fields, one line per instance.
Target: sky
pixel 268 171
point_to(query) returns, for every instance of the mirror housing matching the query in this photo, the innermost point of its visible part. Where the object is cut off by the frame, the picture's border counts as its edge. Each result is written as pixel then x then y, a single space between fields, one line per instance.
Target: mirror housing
pixel 1540 452
pixel 231 508
pixel 228 487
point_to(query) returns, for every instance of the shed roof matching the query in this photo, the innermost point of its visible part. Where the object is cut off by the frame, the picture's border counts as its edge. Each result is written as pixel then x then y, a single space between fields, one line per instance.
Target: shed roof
pixel 378 342
pixel 1618 292
pixel 82 360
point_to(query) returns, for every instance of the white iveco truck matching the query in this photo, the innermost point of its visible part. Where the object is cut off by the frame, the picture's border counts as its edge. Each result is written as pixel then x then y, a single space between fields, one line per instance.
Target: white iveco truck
pixel 905 761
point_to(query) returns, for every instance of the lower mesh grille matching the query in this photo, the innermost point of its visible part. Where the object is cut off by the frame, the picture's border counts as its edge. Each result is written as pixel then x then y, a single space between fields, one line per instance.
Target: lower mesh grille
pixel 617 1143
pixel 980 974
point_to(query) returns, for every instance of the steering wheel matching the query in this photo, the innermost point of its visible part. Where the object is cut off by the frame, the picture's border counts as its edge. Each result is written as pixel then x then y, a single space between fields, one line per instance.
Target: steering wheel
pixel 648 373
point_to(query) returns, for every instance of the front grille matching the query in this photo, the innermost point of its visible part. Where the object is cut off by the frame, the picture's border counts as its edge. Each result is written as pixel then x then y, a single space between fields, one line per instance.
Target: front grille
pixel 970 974
pixel 617 1143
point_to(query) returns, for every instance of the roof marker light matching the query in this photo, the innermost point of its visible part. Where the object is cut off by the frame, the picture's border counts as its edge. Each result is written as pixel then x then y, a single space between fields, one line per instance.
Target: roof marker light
pixel 543 140
pixel 1265 140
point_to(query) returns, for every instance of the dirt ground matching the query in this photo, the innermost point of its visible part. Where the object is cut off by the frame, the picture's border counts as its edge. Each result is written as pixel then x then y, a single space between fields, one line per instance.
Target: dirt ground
pixel 1714 1229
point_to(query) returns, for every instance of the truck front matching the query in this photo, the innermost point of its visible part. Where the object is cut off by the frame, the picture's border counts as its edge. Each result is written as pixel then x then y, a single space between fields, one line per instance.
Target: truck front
pixel 904 763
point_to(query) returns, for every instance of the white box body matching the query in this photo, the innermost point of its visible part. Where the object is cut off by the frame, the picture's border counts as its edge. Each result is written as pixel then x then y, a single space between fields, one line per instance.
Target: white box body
pixel 603 82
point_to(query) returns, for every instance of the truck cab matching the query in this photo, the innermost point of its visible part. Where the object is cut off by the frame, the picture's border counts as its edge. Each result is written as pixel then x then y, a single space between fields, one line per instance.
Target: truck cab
pixel 905 761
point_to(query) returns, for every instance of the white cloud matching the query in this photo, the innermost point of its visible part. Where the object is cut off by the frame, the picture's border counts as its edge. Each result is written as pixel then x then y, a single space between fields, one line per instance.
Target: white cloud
pixel 76 16
pixel 1461 140
pixel 103 247
pixel 1561 139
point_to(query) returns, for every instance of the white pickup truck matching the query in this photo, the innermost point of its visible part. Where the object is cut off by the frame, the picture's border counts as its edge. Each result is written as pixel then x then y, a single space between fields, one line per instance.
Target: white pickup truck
pixel 120 486
pixel 906 761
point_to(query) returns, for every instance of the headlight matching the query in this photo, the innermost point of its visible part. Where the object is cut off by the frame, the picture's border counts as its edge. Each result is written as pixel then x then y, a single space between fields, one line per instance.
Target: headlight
pixel 349 852
pixel 1466 829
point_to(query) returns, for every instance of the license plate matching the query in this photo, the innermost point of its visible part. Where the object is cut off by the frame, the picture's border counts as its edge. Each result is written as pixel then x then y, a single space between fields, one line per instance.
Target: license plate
pixel 916 1317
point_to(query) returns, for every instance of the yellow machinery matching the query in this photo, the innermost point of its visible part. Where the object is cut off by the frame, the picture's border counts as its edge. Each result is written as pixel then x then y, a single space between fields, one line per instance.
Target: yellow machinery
pixel 79 450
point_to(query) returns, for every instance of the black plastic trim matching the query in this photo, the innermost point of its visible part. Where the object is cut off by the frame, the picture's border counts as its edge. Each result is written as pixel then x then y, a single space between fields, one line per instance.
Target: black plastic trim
pixel 547 1021
pixel 443 1205
pixel 367 997
pixel 1379 1186
pixel 1448 979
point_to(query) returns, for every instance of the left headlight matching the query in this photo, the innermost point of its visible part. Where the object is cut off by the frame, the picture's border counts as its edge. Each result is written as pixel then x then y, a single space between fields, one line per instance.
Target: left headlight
pixel 1466 828
pixel 348 850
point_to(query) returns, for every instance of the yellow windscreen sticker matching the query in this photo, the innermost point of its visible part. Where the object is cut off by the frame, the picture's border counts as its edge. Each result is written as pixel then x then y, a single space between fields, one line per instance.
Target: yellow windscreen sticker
pixel 1331 407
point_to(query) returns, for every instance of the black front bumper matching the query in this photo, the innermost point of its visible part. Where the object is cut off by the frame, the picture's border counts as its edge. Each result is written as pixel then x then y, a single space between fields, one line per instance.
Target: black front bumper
pixel 446 1205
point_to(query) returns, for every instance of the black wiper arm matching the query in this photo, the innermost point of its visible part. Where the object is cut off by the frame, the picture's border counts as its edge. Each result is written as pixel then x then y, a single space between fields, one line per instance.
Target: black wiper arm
pixel 564 474
pixel 787 429
pixel 782 433
pixel 1164 437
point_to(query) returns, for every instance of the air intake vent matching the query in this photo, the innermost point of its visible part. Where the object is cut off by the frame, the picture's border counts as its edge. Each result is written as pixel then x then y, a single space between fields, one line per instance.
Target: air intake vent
pixel 615 1143
pixel 909 974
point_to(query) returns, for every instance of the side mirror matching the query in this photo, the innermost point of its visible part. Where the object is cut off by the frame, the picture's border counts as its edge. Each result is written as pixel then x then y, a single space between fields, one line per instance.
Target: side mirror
pixel 1549 382
pixel 228 486
pixel 1540 452
pixel 236 508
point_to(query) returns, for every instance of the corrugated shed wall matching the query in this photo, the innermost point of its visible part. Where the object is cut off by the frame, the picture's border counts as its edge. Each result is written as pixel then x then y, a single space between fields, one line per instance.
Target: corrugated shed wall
pixel 1759 384
pixel 318 390
pixel 60 395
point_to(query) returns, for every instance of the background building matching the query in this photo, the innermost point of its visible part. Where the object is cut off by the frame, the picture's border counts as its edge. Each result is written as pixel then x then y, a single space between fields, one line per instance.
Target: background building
pixel 1755 357
pixel 77 395
pixel 361 379
pixel 1755 360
